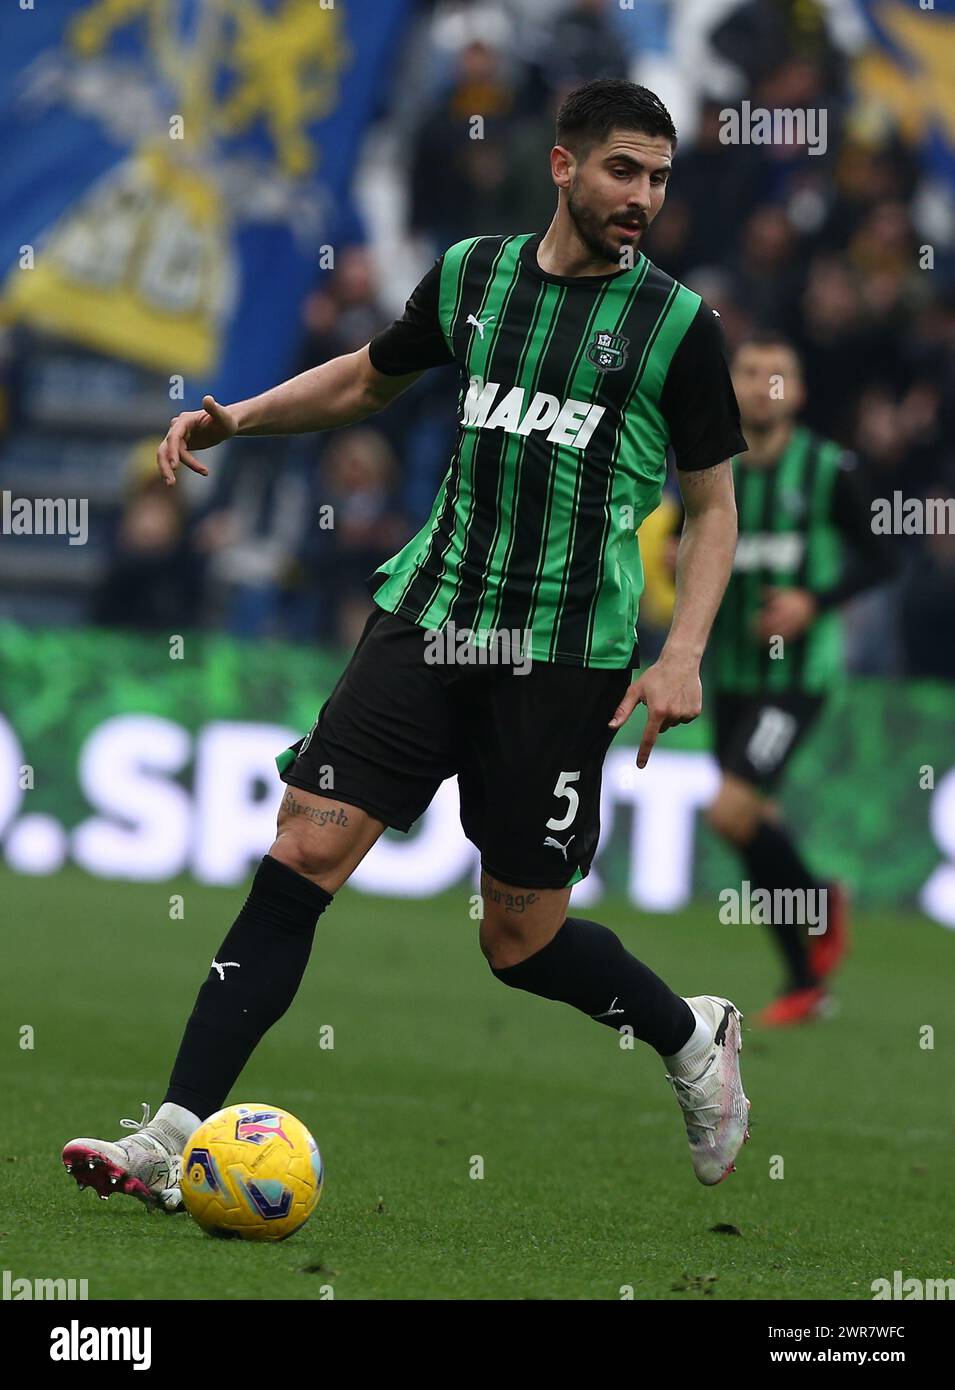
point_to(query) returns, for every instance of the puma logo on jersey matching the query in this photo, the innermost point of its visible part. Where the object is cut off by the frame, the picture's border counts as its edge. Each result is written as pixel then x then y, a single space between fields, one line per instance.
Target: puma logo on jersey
pixel 551 843
pixel 762 550
pixel 480 324
pixel 570 422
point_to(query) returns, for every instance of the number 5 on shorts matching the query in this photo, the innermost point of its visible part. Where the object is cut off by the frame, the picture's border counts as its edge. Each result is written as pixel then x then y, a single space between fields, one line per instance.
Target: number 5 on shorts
pixel 562 788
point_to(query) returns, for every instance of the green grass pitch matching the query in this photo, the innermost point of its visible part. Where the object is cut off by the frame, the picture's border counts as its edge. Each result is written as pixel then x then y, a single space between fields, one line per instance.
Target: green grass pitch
pixel 587 1183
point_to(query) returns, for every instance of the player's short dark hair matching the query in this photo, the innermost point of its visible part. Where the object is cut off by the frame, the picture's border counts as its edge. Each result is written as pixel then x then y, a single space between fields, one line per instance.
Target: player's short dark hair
pixel 589 114
pixel 769 337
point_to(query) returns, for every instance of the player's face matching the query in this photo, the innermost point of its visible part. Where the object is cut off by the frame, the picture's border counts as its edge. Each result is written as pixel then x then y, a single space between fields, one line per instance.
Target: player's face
pixel 615 193
pixel 768 385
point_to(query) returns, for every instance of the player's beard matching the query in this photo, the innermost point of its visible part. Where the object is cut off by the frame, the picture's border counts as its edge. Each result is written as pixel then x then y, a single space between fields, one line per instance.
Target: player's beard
pixel 593 230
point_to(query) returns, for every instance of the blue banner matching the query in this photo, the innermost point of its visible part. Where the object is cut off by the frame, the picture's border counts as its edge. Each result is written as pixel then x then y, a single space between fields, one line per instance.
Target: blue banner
pixel 173 171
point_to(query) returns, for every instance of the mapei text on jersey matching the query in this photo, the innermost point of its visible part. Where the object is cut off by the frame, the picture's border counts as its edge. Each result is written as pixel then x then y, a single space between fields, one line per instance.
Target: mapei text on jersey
pixel 569 422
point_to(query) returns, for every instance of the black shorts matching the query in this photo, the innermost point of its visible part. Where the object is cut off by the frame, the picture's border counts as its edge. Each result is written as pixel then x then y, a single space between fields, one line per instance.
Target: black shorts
pixel 756 735
pixel 527 749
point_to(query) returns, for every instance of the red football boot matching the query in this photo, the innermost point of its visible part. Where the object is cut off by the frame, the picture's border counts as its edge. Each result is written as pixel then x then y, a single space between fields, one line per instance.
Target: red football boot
pixel 827 951
pixel 798 1006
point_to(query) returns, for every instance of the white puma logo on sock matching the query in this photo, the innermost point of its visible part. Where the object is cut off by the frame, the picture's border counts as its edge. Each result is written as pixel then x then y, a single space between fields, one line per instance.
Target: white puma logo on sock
pixel 609 1013
pixel 223 966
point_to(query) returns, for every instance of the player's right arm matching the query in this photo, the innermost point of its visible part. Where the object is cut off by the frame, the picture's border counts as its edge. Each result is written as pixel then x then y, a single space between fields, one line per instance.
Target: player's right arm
pixel 339 392
pixel 336 393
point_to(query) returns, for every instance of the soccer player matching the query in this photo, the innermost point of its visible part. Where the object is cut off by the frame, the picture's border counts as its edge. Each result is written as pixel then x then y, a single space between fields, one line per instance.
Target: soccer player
pixel 805 546
pixel 581 363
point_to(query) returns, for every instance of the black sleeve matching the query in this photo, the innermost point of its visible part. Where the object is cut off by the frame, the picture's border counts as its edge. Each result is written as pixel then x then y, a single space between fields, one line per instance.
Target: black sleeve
pixel 698 400
pixel 415 341
pixel 870 559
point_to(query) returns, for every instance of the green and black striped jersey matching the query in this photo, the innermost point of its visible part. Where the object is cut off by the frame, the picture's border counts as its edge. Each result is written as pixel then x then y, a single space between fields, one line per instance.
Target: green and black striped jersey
pixel 572 390
pixel 803 523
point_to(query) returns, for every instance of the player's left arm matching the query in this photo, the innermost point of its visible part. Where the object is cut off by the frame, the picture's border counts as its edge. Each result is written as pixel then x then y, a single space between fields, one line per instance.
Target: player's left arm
pixel 699 405
pixel 671 688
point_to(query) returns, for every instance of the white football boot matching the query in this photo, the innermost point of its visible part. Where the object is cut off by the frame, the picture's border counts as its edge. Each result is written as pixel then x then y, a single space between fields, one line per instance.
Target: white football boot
pixel 710 1091
pixel 147 1165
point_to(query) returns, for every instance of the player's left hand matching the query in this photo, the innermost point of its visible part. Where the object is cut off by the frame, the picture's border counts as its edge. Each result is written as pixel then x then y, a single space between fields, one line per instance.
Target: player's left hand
pixel 786 613
pixel 672 693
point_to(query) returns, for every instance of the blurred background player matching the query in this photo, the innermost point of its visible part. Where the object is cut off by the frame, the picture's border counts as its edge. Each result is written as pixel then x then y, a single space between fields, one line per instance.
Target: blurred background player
pixel 805 546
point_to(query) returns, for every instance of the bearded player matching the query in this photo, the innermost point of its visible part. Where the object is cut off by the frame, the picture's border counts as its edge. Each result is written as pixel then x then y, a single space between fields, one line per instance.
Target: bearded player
pixel 805 547
pixel 581 364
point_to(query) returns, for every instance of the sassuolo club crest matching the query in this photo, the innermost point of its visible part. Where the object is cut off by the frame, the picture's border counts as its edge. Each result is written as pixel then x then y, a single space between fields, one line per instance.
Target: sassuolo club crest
pixel 608 351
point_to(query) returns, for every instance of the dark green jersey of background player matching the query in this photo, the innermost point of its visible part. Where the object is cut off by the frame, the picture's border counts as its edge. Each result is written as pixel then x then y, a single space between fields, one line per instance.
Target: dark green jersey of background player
pixel 803 523
pixel 572 390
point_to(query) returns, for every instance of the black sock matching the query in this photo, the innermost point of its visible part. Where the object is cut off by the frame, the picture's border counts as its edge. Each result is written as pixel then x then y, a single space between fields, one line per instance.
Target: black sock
pixel 772 862
pixel 260 967
pixel 587 966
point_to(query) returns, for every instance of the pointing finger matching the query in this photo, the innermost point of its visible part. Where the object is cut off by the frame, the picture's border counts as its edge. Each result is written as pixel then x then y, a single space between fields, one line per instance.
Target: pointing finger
pixel 654 722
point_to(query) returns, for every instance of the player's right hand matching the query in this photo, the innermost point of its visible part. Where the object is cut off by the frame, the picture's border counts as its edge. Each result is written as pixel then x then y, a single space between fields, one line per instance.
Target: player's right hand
pixel 194 429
